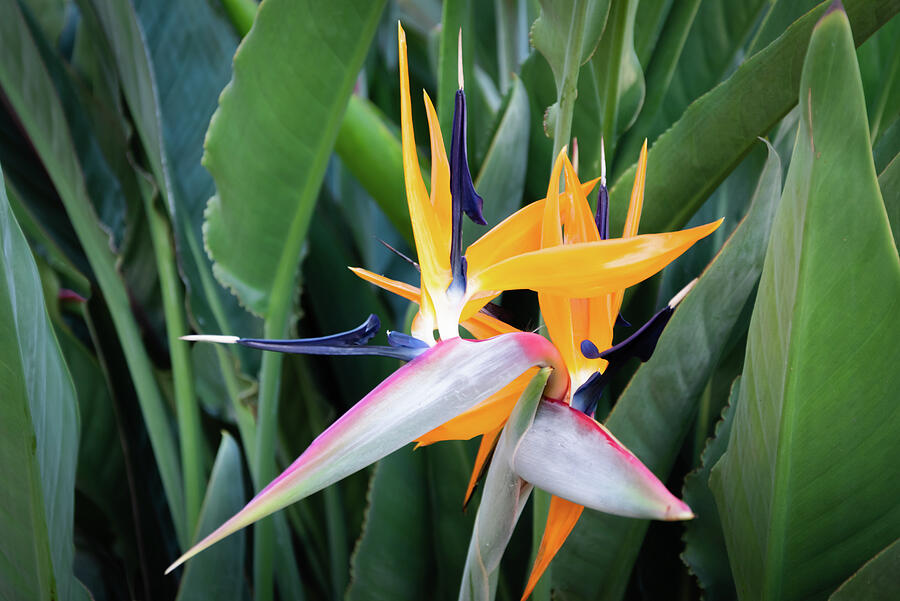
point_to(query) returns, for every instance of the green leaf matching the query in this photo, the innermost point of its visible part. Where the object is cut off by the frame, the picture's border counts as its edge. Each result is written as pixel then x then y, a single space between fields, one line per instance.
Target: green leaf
pixel 889 183
pixel 649 22
pixel 219 574
pixel 879 65
pixel 257 223
pixel 29 91
pixel 390 561
pixel 656 410
pixel 554 30
pixel 779 16
pixel 371 151
pixel 39 427
pixel 688 63
pixel 718 129
pixel 730 201
pixel 617 77
pixel 172 71
pixel 705 552
pixel 794 479
pixel 501 181
pixel 876 580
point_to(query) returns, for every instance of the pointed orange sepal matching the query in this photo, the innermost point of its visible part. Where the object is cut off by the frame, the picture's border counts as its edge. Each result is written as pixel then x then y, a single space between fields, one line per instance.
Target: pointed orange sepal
pixel 488 442
pixel 561 518
pixel 592 268
pixel 407 291
pixel 435 265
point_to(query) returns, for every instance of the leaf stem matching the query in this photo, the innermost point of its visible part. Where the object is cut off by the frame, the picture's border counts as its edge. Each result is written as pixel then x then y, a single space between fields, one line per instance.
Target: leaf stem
pixel 540 508
pixel 182 373
pixel 569 87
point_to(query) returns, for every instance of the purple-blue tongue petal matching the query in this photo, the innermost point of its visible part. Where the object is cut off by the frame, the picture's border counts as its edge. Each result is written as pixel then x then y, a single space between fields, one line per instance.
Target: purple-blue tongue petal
pixel 351 342
pixel 464 198
pixel 641 345
pixel 462 188
pixel 448 379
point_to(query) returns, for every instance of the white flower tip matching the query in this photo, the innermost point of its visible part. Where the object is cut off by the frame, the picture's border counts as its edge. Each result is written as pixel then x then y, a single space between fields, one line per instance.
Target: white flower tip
pixel 679 512
pixel 459 61
pixel 681 294
pixel 210 338
pixel 602 162
pixel 575 155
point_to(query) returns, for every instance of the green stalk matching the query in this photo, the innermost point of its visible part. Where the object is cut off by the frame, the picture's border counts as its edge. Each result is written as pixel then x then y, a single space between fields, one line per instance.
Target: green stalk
pixel 185 400
pixel 276 325
pixel 30 93
pixel 540 508
pixel 241 13
pixel 264 460
pixel 568 89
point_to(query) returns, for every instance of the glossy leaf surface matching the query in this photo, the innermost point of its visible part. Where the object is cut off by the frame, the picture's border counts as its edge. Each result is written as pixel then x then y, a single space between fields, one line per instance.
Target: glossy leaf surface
pixel 39 428
pixel 293 106
pixel 818 337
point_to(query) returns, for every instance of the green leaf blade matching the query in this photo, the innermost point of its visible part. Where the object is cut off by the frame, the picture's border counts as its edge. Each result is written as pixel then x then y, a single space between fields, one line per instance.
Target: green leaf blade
pixel 289 111
pixel 793 478
pixel 39 424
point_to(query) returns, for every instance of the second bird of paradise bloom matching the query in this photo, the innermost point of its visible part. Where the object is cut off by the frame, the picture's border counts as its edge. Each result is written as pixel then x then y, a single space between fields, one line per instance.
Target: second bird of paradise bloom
pixel 457 388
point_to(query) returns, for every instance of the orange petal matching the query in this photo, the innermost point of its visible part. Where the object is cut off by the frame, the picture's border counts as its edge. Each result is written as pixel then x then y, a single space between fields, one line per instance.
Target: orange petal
pixel 440 176
pixel 518 233
pixel 556 311
pixel 551 227
pixel 489 415
pixel 488 442
pixel 426 229
pixel 577 218
pixel 632 221
pixel 407 291
pixel 483 326
pixel 591 268
pixel 561 518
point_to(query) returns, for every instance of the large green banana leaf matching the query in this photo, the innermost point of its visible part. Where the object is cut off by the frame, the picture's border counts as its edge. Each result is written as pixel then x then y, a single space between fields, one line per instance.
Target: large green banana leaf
pixel 807 488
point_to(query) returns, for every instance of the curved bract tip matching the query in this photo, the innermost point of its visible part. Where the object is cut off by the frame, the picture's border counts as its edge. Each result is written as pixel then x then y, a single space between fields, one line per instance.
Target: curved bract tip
pixel 572 456
pixel 443 382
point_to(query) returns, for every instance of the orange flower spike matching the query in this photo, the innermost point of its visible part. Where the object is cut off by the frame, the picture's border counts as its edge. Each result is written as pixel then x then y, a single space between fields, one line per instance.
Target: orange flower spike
pixel 561 519
pixel 440 177
pixel 588 315
pixel 434 265
pixel 488 442
pixel 556 308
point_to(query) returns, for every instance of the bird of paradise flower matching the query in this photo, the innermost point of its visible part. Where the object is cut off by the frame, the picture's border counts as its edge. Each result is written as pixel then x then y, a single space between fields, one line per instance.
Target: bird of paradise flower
pixel 453 386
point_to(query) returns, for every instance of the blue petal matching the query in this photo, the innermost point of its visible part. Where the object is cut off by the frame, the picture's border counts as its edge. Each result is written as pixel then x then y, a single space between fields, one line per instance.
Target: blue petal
pixel 464 198
pixel 639 345
pixel 602 216
pixel 351 342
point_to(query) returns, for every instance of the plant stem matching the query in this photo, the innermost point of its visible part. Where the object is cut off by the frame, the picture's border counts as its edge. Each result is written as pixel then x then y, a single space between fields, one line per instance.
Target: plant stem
pixel 264 460
pixel 568 90
pixel 185 399
pixel 540 508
